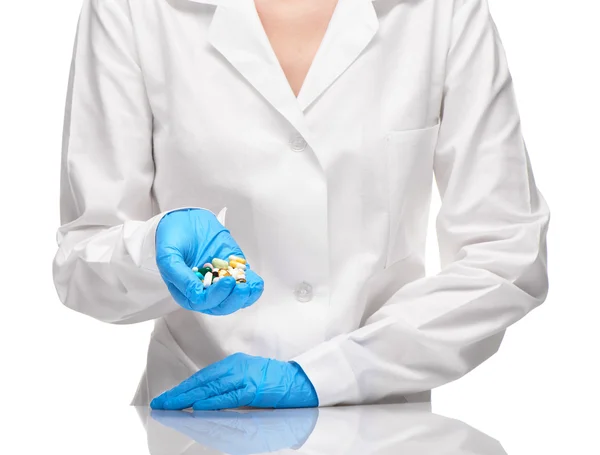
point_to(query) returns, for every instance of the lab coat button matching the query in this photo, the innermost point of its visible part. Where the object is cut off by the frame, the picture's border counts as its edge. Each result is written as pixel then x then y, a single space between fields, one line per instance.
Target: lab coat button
pixel 297 143
pixel 303 292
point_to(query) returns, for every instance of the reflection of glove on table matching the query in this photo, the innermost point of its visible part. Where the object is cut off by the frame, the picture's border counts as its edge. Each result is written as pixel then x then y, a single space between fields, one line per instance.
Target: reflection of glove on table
pixel 243 432
pixel 404 429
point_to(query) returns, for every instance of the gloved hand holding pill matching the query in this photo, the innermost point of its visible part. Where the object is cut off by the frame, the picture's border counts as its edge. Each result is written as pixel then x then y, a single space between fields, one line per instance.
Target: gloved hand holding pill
pixel 185 240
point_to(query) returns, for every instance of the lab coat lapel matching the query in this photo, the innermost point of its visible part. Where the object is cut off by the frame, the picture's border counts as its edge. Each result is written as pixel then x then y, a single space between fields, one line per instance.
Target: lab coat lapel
pixel 352 26
pixel 237 33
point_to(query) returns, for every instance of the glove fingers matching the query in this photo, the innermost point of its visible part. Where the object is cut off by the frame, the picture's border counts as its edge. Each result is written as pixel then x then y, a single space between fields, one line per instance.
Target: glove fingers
pixel 174 270
pixel 241 295
pixel 210 374
pixel 211 389
pixel 228 400
pixel 233 302
pixel 256 285
pixel 214 295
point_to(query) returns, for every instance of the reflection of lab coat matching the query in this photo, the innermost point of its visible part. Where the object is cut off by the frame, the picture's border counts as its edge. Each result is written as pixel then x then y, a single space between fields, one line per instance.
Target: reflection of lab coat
pixel 182 103
pixel 408 429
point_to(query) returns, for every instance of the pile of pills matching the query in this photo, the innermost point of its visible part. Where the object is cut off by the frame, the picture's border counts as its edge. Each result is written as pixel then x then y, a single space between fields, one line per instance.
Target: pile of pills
pixel 211 272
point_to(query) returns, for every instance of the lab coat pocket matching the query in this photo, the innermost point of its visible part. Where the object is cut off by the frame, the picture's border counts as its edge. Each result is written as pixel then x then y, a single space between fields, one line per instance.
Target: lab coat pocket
pixel 409 155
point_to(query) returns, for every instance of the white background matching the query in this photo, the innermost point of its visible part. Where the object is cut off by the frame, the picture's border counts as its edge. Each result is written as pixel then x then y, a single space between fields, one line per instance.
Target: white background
pixel 59 369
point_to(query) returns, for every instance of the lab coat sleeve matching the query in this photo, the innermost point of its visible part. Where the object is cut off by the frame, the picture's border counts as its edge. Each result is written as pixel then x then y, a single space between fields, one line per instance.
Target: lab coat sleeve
pixel 105 266
pixel 492 235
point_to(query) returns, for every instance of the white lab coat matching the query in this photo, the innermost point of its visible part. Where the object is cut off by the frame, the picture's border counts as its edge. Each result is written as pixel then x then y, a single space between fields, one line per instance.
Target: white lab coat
pixel 182 103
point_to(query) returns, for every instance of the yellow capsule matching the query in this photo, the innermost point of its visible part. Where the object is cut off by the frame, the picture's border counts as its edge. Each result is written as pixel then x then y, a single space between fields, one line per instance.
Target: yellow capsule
pixel 237 259
pixel 240 280
pixel 223 272
pixel 237 265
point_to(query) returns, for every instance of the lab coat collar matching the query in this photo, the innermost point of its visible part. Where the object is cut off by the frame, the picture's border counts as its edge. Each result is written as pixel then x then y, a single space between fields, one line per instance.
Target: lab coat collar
pixel 352 27
pixel 237 33
pixel 229 2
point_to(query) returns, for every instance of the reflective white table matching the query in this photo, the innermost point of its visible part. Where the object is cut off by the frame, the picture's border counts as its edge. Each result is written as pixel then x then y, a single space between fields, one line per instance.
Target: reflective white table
pixel 407 429
pixel 519 428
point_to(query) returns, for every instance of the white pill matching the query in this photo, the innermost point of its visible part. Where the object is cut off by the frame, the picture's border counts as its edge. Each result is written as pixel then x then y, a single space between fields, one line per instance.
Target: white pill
pixel 208 279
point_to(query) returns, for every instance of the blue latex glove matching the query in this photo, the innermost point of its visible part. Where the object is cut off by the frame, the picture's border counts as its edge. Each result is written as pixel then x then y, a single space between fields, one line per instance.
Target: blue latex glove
pixel 191 237
pixel 242 433
pixel 242 380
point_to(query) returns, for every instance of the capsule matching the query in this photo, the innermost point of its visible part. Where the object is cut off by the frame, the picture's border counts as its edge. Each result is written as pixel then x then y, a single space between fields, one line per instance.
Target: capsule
pixel 219 263
pixel 240 280
pixel 237 265
pixel 199 275
pixel 204 270
pixel 208 279
pixel 209 265
pixel 239 259
pixel 223 272
pixel 215 279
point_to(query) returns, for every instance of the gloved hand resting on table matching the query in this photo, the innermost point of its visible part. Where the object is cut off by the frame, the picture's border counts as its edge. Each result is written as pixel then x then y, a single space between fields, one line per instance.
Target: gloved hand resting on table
pixel 192 237
pixel 242 380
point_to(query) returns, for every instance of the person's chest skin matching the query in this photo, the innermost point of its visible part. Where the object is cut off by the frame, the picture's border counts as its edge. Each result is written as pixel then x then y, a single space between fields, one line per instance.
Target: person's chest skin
pixel 295 30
